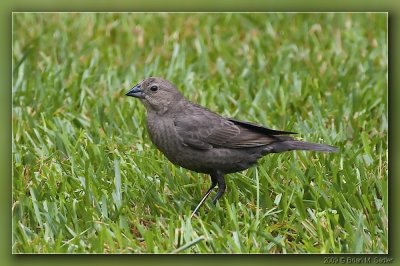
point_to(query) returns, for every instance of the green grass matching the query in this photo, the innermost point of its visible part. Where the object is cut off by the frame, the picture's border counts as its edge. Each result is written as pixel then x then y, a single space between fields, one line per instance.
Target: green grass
pixel 86 178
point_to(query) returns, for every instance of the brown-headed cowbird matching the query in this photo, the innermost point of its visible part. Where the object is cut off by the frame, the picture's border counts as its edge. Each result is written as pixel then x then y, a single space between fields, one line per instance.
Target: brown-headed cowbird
pixel 200 140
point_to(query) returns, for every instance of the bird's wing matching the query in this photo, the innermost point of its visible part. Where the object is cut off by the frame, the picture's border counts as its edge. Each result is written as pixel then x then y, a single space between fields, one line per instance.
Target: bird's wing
pixel 259 128
pixel 202 129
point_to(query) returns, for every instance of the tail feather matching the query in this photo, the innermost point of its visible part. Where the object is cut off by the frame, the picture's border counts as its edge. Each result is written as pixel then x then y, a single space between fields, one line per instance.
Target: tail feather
pixel 291 145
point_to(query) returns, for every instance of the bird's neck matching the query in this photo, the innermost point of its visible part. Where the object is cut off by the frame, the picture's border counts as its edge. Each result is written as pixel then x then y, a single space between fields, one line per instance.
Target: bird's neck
pixel 168 108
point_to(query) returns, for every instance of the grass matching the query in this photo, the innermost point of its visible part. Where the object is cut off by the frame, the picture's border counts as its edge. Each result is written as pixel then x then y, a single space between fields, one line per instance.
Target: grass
pixel 86 178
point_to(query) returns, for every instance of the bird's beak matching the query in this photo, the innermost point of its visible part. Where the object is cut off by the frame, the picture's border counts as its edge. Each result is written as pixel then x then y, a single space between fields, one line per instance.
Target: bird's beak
pixel 136 92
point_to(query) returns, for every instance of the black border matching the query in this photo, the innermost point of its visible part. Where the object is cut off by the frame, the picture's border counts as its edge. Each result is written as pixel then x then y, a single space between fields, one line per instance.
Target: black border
pixel 390 6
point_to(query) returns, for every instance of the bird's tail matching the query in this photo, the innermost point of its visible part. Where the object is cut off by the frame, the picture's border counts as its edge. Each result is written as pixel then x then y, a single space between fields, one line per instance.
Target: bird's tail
pixel 291 145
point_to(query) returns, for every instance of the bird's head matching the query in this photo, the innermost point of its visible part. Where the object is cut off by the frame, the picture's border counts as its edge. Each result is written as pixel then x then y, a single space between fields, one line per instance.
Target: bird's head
pixel 157 94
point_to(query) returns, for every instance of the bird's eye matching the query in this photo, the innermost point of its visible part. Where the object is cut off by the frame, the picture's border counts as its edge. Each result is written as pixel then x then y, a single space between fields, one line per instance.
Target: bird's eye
pixel 154 88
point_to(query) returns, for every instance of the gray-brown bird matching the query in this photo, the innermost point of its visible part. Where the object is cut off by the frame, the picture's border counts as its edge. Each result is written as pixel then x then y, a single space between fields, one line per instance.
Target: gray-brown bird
pixel 200 140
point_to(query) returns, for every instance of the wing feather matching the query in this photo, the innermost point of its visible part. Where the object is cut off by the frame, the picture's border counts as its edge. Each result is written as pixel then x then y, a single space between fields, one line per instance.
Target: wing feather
pixel 203 129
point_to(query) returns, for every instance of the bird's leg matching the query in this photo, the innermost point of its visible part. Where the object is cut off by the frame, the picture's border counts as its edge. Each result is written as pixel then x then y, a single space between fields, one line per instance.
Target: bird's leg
pixel 213 184
pixel 221 185
pixel 216 178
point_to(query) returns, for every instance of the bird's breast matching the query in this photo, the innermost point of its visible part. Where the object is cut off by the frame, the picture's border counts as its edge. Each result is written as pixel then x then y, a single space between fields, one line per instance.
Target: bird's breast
pixel 164 136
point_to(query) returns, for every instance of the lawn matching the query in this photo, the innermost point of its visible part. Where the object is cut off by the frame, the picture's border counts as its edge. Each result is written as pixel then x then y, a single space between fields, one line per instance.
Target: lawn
pixel 87 179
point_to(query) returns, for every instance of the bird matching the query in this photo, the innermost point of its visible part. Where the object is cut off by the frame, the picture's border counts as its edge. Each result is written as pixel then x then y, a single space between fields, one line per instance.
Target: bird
pixel 197 139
